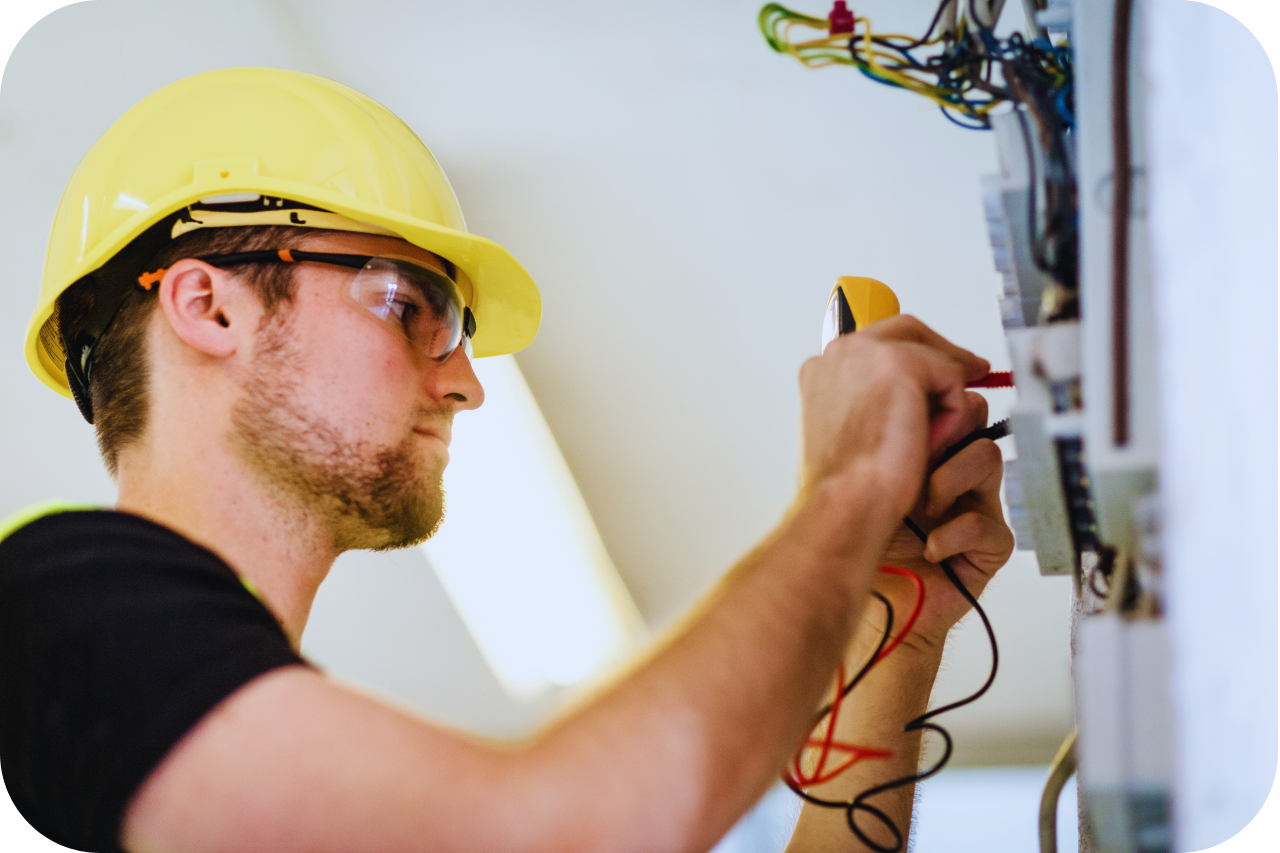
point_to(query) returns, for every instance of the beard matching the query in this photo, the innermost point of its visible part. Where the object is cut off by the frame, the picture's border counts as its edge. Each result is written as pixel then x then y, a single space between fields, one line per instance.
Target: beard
pixel 368 496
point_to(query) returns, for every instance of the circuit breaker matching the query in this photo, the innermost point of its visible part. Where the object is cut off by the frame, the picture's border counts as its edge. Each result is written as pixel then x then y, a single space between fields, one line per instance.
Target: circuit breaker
pixel 1084 483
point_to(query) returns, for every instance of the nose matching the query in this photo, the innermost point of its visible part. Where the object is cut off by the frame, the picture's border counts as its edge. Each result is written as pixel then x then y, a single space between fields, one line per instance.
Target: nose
pixel 454 381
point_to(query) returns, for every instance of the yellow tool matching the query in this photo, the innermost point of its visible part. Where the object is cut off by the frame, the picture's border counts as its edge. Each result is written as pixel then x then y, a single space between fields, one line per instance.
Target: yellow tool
pixel 856 302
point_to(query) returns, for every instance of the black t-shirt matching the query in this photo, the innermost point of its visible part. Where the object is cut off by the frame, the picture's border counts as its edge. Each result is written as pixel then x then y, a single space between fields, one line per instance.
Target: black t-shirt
pixel 117 636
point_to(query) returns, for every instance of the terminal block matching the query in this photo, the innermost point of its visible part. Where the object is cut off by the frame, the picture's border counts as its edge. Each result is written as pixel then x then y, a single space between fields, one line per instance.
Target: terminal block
pixel 1047 421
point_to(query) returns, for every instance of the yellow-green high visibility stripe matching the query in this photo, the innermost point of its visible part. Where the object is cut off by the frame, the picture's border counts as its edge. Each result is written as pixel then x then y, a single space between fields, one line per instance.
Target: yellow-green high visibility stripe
pixel 23 517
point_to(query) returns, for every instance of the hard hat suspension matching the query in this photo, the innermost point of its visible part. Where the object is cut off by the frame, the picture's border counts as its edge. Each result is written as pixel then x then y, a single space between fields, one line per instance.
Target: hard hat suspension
pixel 114 281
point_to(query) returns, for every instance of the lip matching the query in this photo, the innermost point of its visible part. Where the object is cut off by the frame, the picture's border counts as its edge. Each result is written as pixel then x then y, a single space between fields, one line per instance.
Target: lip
pixel 431 433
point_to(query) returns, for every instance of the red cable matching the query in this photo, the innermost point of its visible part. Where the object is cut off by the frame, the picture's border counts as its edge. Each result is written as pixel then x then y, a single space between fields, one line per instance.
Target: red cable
pixel 915 611
pixel 994 379
pixel 828 739
pixel 827 743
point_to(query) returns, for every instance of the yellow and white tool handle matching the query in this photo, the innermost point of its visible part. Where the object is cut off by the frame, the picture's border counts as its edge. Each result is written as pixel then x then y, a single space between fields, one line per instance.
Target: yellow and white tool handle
pixel 856 302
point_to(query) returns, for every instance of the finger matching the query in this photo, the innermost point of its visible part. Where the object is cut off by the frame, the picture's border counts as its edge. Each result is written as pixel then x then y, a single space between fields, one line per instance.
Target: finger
pixel 977 410
pixel 973 417
pixel 940 378
pixel 985 541
pixel 859 359
pixel 952 408
pixel 904 327
pixel 978 468
pixel 974 579
pixel 936 374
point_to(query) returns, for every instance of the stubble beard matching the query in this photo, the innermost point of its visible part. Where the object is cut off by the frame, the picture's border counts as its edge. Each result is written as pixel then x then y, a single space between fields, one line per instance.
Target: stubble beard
pixel 368 496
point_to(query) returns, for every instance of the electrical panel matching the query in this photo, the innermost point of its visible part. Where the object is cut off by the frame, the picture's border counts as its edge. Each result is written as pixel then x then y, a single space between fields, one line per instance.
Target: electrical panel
pixel 1084 484
pixel 1066 219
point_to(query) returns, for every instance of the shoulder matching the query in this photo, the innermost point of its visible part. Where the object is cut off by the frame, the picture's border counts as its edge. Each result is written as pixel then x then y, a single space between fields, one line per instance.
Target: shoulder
pixel 117 635
pixel 88 548
pixel 62 532
pixel 74 580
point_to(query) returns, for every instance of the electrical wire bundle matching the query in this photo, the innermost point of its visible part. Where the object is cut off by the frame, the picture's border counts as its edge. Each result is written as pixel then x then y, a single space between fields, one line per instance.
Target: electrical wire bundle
pixel 798 779
pixel 960 77
pixel 947 78
pixel 962 66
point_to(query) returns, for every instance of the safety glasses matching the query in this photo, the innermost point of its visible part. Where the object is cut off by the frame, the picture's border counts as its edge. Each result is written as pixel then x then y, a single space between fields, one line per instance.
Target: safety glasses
pixel 424 305
pixel 421 303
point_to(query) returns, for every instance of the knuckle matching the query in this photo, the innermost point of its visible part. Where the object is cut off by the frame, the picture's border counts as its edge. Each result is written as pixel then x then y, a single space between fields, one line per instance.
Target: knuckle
pixel 896 327
pixel 978 403
pixel 988 455
pixel 1006 551
pixel 893 359
pixel 997 533
pixel 807 368
pixel 970 526
pixel 942 481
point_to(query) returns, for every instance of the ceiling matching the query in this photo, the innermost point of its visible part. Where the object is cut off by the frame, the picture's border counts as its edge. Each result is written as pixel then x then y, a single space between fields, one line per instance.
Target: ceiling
pixel 684 198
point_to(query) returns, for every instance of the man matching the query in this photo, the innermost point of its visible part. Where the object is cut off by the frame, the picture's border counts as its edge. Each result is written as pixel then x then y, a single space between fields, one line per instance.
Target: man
pixel 260 291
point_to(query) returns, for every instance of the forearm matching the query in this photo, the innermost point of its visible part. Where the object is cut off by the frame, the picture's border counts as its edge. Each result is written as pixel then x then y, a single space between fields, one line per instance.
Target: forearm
pixel 873 715
pixel 680 748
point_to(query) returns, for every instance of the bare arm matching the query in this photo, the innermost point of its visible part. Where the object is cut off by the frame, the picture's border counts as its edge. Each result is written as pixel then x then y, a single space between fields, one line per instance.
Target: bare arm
pixel 667 758
pixel 962 506
pixel 895 691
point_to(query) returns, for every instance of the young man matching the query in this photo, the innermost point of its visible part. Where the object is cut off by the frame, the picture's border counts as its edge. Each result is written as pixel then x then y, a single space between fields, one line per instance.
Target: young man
pixel 260 290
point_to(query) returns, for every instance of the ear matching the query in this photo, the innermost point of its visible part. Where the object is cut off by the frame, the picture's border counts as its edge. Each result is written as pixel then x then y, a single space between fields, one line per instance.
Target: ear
pixel 207 308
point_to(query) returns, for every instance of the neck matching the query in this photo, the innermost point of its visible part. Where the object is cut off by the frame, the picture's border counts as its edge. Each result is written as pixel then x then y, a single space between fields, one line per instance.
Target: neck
pixel 202 491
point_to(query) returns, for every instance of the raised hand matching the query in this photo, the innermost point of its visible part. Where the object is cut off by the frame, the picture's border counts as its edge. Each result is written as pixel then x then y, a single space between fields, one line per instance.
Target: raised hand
pixel 960 510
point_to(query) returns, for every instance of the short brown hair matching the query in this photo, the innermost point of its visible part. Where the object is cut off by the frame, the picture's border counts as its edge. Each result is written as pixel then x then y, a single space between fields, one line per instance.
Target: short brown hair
pixel 118 383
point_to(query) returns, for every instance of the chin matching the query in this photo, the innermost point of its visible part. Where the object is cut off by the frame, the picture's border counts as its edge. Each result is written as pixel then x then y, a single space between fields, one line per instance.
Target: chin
pixel 389 521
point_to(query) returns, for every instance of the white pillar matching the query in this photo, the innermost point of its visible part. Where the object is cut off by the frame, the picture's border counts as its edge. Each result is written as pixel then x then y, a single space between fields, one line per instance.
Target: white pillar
pixel 1211 137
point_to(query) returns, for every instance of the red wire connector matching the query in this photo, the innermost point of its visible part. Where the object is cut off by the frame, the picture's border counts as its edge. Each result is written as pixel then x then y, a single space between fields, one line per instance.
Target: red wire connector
pixel 994 379
pixel 841 18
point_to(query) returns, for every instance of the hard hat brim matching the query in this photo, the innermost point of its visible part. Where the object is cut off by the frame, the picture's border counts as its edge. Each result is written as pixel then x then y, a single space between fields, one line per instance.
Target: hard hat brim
pixel 507 306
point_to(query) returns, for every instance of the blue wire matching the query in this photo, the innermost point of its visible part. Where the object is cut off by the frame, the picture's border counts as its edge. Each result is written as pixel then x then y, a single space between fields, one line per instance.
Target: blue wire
pixel 1060 103
pixel 871 76
pixel 959 123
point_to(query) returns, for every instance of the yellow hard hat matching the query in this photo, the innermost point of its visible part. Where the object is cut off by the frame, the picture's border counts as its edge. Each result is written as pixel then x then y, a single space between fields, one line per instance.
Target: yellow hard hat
pixel 261 136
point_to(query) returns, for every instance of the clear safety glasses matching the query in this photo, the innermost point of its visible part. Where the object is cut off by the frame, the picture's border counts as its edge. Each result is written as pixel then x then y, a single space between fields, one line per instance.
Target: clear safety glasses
pixel 424 305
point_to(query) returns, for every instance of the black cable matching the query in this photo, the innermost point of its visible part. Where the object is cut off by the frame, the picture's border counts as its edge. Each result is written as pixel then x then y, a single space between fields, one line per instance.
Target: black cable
pixel 965 68
pixel 921 723
pixel 826 709
pixel 986 624
pixel 1104 568
pixel 937 16
pixel 997 430
pixel 1032 72
pixel 871 661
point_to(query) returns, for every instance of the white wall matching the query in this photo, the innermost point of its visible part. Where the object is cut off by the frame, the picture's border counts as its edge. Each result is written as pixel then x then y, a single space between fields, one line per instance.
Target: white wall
pixel 1212 140
pixel 684 198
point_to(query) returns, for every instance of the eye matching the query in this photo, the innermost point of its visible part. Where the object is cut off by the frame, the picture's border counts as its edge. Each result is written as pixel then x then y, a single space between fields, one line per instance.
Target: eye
pixel 404 309
pixel 406 305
